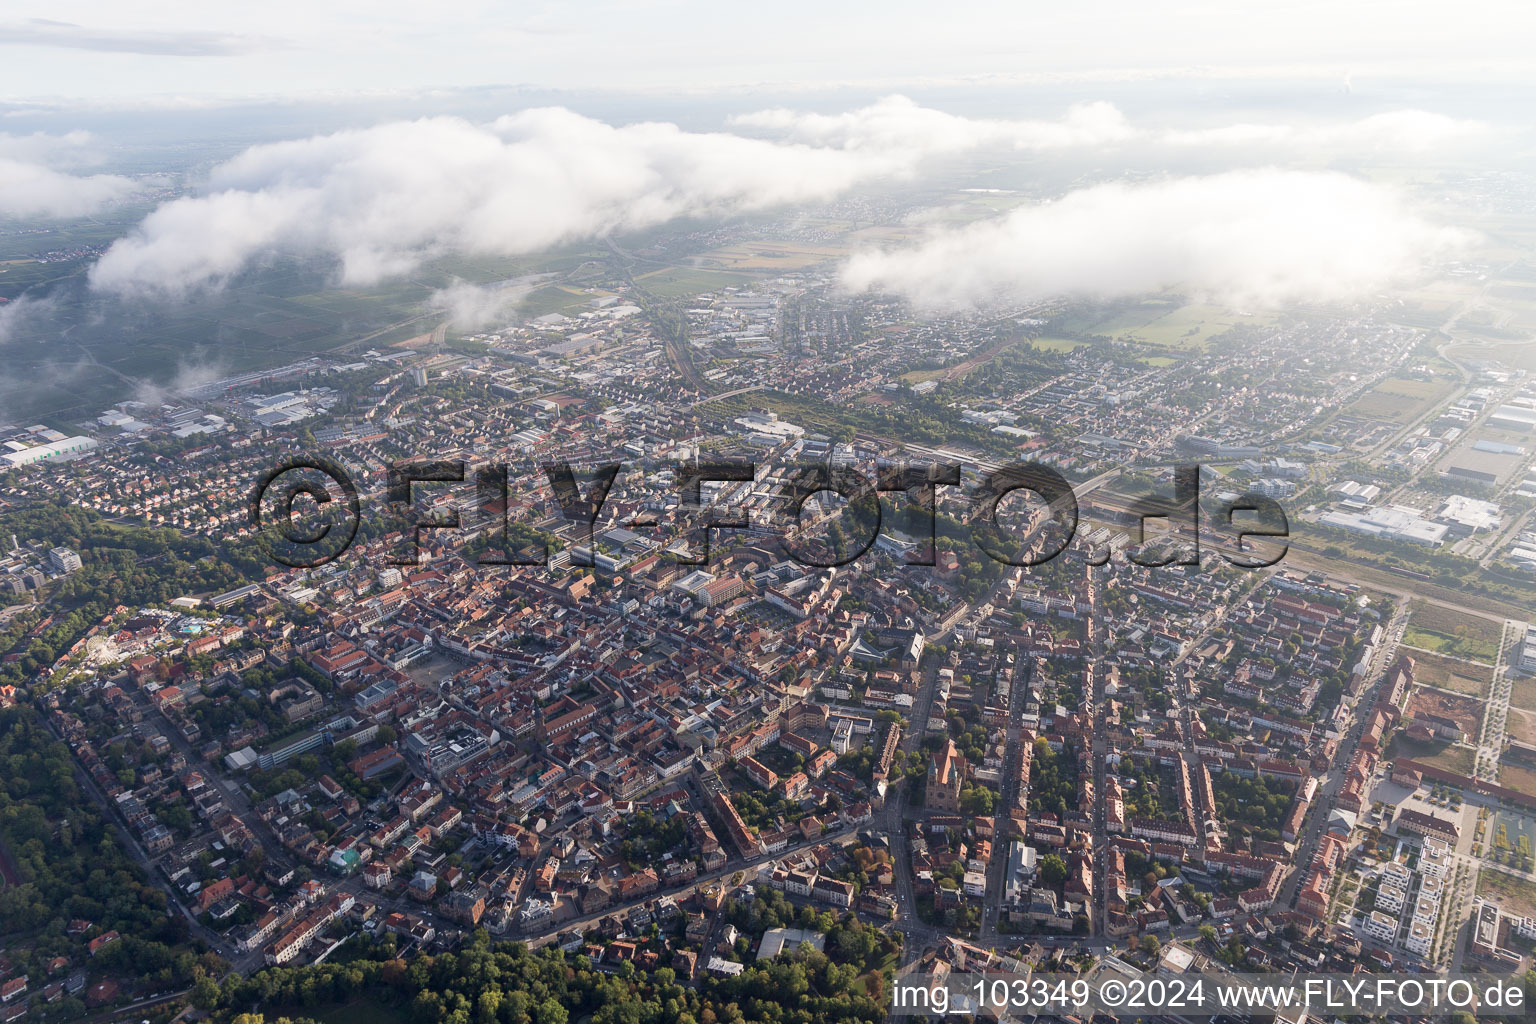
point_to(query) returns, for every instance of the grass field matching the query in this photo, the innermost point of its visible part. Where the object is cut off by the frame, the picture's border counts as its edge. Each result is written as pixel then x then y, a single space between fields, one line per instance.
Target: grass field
pixel 1409 388
pixel 1056 344
pixel 553 299
pixel 768 256
pixel 1517 777
pixel 1521 725
pixel 1165 321
pixel 1456 647
pixel 1455 633
pixel 1519 354
pixel 1522 694
pixel 1400 400
pixel 1515 895
pixel 1442 755
pixel 1449 674
pixel 682 282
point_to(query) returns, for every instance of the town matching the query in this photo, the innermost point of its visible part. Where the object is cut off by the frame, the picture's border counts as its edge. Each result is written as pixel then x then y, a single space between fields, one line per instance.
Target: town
pixel 556 724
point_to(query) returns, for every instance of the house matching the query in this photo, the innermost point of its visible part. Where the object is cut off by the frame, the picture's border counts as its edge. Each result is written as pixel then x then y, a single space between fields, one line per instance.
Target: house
pixel 106 938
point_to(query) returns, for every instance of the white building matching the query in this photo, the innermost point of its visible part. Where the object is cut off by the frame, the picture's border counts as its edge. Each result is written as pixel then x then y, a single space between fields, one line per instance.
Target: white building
pixel 536 911
pixel 1470 515
pixel 1435 858
pixel 1426 908
pixel 1394 522
pixel 69 447
pixel 63 559
pixel 1381 927
pixel 1528 651
pixel 1419 938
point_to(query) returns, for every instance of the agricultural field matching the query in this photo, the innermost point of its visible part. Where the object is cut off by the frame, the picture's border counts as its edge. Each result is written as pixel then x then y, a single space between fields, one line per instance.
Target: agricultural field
pixel 683 282
pixel 1165 322
pixel 772 256
pixel 1427 311
pixel 1520 354
pixel 1400 400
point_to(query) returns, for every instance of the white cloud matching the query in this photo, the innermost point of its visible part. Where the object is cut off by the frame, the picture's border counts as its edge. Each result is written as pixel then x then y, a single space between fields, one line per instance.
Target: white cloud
pixel 1407 131
pixel 40 146
pixel 68 36
pixel 190 375
pixel 896 124
pixel 32 190
pixel 14 315
pixel 31 183
pixel 1254 238
pixel 383 199
pixel 32 186
pixel 472 305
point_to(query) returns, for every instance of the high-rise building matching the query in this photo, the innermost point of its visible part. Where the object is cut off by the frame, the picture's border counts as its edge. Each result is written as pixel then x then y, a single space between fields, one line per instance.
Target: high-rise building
pixel 63 559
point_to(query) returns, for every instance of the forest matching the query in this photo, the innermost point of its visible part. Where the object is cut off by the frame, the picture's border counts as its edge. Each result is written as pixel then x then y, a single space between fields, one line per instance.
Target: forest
pixel 510 984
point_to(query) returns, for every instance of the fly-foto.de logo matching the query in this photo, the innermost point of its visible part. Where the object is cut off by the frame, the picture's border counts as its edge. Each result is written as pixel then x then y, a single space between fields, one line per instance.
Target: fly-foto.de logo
pixel 709 496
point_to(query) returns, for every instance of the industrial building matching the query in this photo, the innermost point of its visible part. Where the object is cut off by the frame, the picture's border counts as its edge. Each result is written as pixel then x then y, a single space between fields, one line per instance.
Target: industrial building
pixel 1393 522
pixel 1513 417
pixel 63 448
pixel 1466 516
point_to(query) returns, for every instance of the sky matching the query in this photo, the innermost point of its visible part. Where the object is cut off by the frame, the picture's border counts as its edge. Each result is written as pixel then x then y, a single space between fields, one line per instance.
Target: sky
pixel 1257 153
pixel 190 53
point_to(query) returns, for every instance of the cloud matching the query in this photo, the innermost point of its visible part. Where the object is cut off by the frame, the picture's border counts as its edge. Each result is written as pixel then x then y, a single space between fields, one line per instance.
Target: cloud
pixel 32 190
pixel 896 124
pixel 190 375
pixel 31 185
pixel 1252 238
pixel 471 305
pixel 1407 131
pixel 41 146
pixel 15 314
pixel 381 200
pixel 65 35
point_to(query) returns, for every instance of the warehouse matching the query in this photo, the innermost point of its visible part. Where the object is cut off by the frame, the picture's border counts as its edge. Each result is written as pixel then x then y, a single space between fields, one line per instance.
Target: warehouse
pixel 67 448
pixel 1394 522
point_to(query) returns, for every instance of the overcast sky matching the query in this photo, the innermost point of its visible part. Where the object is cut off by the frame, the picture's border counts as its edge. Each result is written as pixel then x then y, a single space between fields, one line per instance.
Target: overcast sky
pixel 111 52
